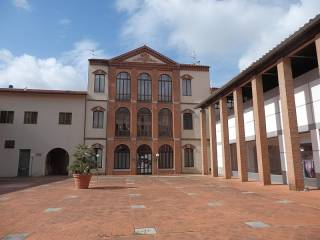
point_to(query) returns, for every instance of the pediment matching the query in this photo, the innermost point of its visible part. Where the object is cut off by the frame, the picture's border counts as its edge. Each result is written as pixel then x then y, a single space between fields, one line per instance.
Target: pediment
pixel 144 57
pixel 143 54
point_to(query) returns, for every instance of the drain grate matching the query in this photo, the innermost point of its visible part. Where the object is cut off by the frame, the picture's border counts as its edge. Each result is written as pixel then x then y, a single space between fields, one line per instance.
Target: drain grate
pixel 215 203
pixel 48 210
pixel 145 231
pixel 137 206
pixel 257 224
pixel 17 236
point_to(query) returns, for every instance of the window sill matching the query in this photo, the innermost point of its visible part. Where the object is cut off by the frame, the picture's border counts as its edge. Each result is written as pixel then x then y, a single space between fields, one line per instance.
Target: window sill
pixel 144 138
pixel 122 137
pixel 165 137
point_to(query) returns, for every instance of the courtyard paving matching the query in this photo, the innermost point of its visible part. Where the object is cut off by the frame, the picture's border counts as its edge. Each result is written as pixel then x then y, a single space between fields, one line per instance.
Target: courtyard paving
pixel 151 207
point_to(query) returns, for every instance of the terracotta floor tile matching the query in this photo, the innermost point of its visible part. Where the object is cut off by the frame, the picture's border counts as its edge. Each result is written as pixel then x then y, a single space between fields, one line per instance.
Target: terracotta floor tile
pixel 218 209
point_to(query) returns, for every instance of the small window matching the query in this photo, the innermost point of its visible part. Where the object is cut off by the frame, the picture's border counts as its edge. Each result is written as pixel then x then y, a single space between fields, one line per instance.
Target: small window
pixel 30 117
pixel 65 118
pixel 188 157
pixel 6 116
pixel 186 87
pixel 99 83
pixel 9 144
pixel 187 121
pixel 98 119
pixel 98 157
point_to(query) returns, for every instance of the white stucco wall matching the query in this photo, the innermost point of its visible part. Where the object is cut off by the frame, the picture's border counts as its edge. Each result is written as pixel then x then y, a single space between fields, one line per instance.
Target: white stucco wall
pixel 44 136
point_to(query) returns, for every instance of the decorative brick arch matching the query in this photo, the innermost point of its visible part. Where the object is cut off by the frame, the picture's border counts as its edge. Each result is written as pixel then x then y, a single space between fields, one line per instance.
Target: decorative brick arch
pixel 187 111
pixel 188 146
pixel 98 108
pixel 97 145
pixel 187 76
pixel 99 71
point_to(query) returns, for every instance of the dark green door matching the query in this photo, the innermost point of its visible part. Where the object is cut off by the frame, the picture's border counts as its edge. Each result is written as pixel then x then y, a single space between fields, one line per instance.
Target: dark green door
pixel 24 162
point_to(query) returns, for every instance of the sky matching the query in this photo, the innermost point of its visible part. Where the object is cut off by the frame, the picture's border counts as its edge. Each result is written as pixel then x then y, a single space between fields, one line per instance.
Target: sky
pixel 46 44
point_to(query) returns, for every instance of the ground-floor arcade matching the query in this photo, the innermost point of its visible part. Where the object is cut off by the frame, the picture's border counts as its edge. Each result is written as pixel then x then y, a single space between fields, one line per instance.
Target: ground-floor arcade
pixel 264 123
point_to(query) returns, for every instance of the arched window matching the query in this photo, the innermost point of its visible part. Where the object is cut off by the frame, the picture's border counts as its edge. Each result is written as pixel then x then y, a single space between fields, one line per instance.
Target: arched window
pixel 165 123
pixel 165 157
pixel 122 122
pixel 144 120
pixel 188 156
pixel 165 88
pixel 187 121
pixel 122 157
pixel 123 86
pixel 144 87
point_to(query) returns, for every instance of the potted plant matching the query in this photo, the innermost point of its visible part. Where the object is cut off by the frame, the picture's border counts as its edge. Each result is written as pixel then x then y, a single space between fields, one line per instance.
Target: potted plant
pixel 81 166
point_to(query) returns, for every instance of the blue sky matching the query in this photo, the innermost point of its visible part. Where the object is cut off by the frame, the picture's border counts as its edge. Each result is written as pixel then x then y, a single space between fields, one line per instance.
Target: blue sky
pixel 46 44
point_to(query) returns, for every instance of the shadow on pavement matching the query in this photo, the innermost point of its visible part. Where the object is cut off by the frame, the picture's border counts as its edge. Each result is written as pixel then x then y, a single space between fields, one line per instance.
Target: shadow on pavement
pixel 13 184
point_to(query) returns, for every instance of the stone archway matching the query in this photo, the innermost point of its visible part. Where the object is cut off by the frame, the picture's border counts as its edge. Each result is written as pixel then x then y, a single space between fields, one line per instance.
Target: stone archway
pixel 57 162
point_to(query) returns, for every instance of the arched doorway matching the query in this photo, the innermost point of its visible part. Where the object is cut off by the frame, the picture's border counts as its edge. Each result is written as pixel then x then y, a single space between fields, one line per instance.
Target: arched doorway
pixel 57 162
pixel 144 160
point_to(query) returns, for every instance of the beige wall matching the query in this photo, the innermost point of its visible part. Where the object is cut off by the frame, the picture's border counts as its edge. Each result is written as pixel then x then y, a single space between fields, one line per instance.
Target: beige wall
pixel 91 132
pixel 200 86
pixel 44 136
pixel 91 76
pixel 96 135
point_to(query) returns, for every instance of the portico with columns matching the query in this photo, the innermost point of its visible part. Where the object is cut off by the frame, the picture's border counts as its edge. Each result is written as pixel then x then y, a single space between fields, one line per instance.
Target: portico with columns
pixel 268 117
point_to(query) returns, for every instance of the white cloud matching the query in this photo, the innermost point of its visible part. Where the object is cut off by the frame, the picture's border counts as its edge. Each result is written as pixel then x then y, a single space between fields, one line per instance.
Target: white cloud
pixel 218 31
pixel 128 5
pixel 65 21
pixel 66 72
pixel 24 4
pixel 297 15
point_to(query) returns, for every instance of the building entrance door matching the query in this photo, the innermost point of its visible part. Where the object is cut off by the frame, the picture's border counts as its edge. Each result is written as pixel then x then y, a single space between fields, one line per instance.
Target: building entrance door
pixel 24 162
pixel 144 160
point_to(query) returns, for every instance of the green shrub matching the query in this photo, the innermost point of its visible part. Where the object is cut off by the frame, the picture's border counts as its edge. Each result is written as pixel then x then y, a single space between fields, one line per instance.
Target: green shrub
pixel 84 160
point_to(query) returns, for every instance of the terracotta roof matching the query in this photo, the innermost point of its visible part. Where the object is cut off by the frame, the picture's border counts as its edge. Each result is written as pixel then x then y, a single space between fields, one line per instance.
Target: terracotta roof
pixel 41 91
pixel 300 37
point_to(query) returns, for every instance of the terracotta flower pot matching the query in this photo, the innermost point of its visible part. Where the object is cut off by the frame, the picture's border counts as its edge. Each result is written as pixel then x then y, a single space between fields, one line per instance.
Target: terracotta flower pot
pixel 81 181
